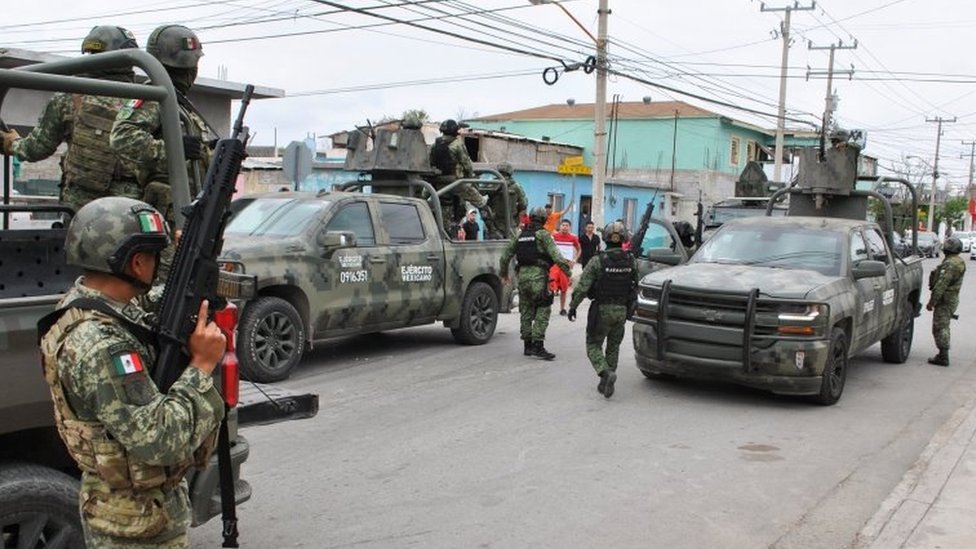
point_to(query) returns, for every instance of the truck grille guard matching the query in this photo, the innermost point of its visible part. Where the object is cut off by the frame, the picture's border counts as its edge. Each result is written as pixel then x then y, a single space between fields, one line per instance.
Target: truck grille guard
pixel 748 326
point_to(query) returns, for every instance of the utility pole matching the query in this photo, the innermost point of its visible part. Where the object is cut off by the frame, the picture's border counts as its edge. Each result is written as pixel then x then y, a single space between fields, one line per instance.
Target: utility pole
pixel 935 169
pixel 600 115
pixel 970 191
pixel 829 106
pixel 784 31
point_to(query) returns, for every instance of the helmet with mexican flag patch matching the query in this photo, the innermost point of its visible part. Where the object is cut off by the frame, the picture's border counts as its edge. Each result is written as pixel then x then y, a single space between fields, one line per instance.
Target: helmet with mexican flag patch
pixel 107 232
pixel 175 46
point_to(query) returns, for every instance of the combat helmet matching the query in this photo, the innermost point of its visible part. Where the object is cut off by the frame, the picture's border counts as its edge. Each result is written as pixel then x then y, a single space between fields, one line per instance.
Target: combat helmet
pixel 175 46
pixel 107 232
pixel 952 245
pixel 104 38
pixel 450 127
pixel 504 168
pixel 538 214
pixel 615 234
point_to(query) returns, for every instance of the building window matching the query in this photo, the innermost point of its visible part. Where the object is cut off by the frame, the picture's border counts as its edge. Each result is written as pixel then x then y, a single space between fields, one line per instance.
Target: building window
pixel 630 213
pixel 752 151
pixel 734 156
pixel 556 200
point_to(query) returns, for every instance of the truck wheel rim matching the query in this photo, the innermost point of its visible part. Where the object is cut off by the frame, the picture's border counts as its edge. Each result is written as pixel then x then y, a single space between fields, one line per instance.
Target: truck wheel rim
pixel 838 364
pixel 482 315
pixel 275 340
pixel 38 530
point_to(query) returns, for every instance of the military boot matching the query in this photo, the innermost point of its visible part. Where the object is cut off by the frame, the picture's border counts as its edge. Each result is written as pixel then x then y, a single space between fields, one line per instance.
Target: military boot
pixel 941 359
pixel 528 347
pixel 602 386
pixel 609 378
pixel 540 351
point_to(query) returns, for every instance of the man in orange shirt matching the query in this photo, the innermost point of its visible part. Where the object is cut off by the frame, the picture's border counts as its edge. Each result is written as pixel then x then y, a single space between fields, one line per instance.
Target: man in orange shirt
pixel 553 218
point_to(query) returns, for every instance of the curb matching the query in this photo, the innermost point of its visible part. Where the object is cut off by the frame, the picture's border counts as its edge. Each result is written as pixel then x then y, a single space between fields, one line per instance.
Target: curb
pixel 908 504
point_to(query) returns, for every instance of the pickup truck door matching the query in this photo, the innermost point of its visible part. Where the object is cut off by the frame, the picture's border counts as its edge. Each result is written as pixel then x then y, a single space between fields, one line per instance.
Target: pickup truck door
pixel 415 290
pixel 351 301
pixel 659 237
pixel 867 300
pixel 886 287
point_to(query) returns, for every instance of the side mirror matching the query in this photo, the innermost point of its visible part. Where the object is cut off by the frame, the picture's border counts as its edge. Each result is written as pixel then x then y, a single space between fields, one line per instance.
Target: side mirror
pixel 868 269
pixel 330 241
pixel 660 255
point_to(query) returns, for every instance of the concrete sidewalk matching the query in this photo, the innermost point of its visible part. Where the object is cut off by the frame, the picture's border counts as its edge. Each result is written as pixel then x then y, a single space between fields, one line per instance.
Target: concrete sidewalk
pixel 934 505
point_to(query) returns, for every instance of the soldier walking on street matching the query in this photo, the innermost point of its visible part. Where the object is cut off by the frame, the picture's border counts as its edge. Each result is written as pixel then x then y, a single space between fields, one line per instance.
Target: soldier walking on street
pixel 137 133
pixel 534 251
pixel 610 281
pixel 945 281
pixel 133 444
pixel 90 168
pixel 450 156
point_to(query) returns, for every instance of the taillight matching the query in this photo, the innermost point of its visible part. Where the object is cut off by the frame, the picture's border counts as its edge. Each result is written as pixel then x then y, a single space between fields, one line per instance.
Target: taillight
pixel 226 320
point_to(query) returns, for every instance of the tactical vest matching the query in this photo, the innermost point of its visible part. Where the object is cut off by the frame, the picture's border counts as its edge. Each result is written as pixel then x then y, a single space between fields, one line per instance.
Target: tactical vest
pixel 90 162
pixel 441 157
pixel 616 282
pixel 88 442
pixel 527 251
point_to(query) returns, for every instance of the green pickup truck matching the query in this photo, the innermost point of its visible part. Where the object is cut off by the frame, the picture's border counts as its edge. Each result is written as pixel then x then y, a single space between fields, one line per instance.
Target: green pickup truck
pixel 341 263
pixel 782 303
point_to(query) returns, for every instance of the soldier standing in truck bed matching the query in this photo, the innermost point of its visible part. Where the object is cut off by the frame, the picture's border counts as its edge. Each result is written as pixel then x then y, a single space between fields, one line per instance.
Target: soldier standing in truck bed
pixel 90 169
pixel 450 157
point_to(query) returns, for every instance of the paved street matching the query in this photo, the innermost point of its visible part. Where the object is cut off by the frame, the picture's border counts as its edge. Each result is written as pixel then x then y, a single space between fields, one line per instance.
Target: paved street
pixel 424 443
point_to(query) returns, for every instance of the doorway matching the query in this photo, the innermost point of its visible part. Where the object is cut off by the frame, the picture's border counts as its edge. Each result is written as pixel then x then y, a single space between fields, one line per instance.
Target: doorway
pixel 586 205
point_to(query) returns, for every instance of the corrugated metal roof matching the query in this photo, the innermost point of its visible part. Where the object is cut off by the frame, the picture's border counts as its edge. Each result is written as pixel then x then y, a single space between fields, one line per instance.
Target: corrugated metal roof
pixel 631 110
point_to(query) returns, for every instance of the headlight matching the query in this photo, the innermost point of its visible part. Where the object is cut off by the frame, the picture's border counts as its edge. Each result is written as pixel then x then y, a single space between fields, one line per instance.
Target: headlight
pixel 647 297
pixel 802 319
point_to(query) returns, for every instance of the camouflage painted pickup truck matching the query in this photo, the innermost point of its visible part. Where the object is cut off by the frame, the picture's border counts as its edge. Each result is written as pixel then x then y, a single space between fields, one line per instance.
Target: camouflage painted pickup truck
pixel 344 263
pixel 783 303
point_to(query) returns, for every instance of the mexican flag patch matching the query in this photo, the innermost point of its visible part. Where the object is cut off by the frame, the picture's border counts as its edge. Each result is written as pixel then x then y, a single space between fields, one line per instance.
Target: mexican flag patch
pixel 150 222
pixel 127 363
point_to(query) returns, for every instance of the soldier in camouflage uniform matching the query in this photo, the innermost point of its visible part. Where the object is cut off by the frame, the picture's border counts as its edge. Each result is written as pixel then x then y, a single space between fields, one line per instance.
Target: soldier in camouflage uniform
pixel 90 169
pixel 610 280
pixel 498 225
pixel 945 282
pixel 133 444
pixel 450 156
pixel 137 133
pixel 535 252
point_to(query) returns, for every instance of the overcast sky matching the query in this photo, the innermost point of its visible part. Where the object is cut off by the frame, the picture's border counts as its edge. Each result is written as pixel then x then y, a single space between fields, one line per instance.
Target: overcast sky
pixel 913 61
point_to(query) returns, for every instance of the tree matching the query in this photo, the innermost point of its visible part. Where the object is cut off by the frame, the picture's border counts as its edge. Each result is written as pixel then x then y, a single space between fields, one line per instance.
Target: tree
pixel 952 211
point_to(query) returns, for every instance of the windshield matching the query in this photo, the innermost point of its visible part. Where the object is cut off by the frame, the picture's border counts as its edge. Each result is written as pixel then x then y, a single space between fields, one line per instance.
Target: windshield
pixel 273 216
pixel 774 246
pixel 718 215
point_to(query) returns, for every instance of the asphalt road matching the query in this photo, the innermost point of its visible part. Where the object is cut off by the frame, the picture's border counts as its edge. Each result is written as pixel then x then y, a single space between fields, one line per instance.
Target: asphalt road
pixel 424 443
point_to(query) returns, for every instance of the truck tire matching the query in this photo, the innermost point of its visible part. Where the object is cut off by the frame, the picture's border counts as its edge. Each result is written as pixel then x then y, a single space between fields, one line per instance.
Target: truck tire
pixel 38 507
pixel 271 339
pixel 898 345
pixel 479 315
pixel 835 371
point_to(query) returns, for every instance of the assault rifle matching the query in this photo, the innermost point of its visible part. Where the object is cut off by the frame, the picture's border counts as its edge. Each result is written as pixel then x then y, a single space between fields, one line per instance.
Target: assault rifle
pixel 638 239
pixel 193 277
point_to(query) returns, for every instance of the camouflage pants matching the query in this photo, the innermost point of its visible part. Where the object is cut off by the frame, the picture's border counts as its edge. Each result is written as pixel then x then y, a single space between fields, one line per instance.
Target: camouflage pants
pixel 176 505
pixel 535 303
pixel 605 323
pixel 74 196
pixel 941 317
pixel 94 540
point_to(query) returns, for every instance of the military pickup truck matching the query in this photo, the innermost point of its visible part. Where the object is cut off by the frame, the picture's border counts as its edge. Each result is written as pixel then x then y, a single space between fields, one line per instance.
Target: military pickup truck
pixel 341 263
pixel 38 479
pixel 783 303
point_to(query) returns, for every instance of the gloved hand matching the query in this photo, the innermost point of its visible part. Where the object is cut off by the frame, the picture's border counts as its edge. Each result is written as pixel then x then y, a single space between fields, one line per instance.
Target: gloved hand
pixel 571 315
pixel 9 137
pixel 192 147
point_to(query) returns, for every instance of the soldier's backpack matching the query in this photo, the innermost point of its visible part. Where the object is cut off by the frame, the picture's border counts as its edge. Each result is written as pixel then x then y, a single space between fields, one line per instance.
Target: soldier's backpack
pixel 90 162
